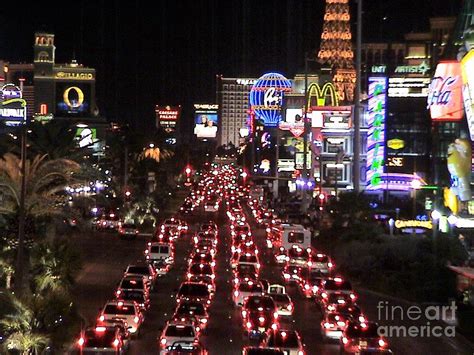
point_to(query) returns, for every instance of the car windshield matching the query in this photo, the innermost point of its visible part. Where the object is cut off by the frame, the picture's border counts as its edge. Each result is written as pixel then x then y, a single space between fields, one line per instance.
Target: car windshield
pixel 254 303
pixel 321 259
pixel 137 296
pixel 201 269
pixel 355 330
pixel 202 257
pixel 332 285
pixel 283 339
pixel 142 270
pixel 128 225
pixel 280 297
pixel 194 290
pixel 298 253
pixel 131 284
pixel 160 249
pixel 248 258
pixel 296 237
pixel 102 339
pixel 179 331
pixel 116 309
pixel 246 269
pixel 192 308
pixel 335 317
pixel 242 229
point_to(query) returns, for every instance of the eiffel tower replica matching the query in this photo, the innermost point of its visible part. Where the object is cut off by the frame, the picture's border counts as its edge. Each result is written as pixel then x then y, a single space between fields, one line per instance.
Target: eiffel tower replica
pixel 336 48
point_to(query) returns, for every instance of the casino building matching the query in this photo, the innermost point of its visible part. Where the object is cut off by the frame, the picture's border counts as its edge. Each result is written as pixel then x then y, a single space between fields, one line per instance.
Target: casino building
pixel 233 101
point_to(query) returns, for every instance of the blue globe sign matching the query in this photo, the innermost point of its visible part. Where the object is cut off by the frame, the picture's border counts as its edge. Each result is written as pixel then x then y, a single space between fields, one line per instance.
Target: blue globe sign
pixel 266 98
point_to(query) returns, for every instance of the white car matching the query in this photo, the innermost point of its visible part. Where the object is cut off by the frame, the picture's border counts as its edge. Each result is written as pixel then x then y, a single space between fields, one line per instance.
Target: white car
pixel 176 331
pixel 211 206
pixel 248 259
pixel 246 289
pixel 127 311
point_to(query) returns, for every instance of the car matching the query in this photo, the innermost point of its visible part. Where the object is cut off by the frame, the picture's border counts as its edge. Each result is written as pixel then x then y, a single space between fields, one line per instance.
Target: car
pixel 142 270
pixel 205 246
pixel 335 285
pixel 241 229
pixel 211 206
pixel 248 259
pixel 139 296
pixel 259 313
pixel 182 227
pixel 161 267
pixel 252 350
pixel 185 347
pixel 177 331
pixel 103 339
pixel 159 251
pixel 194 291
pixel 202 258
pixel 163 237
pixel 202 273
pixel 209 226
pixel 128 311
pixel 127 230
pixel 310 281
pixel 193 310
pixel 207 236
pixel 246 289
pixel 187 208
pixel 333 325
pixel 284 339
pixel 293 273
pixel 283 302
pixel 133 283
pixel 363 337
pixel 349 311
pixel 298 256
pixel 321 263
pixel 245 272
pixel 334 298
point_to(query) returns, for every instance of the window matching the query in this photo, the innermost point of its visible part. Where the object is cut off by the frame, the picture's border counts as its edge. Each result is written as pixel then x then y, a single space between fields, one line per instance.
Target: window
pixel 295 237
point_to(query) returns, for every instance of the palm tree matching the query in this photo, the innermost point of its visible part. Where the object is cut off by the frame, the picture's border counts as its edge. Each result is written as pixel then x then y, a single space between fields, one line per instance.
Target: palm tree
pixel 45 181
pixel 27 343
pixel 6 266
pixel 155 154
pixel 54 265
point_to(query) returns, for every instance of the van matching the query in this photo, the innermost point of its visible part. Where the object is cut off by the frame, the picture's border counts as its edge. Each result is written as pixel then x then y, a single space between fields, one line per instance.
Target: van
pixel 295 234
pixel 157 252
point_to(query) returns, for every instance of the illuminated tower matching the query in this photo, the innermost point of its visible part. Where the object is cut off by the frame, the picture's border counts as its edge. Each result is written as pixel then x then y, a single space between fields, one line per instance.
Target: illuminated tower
pixel 336 48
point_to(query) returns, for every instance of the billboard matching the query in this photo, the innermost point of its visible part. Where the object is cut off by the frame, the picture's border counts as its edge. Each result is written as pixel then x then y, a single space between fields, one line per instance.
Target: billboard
pixel 73 99
pixel 12 105
pixel 445 92
pixel 376 133
pixel 294 121
pixel 331 117
pixel 167 117
pixel 467 69
pixel 206 120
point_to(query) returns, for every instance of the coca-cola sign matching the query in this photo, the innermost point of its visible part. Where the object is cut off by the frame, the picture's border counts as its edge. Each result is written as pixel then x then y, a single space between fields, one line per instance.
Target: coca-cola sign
pixel 445 93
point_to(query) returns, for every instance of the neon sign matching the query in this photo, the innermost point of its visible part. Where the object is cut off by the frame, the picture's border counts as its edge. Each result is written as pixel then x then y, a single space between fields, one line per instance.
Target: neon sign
pixel 266 97
pixel 12 105
pixel 322 94
pixel 445 92
pixel 376 133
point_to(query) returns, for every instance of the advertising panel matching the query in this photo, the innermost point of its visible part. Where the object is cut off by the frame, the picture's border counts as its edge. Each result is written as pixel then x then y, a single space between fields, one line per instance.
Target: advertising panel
pixel 12 105
pixel 467 69
pixel 328 117
pixel 376 132
pixel 445 92
pixel 206 120
pixel 294 122
pixel 73 99
pixel 167 117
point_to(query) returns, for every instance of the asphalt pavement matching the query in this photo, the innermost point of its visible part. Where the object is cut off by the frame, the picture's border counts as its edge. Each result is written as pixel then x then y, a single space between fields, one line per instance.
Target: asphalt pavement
pixel 106 256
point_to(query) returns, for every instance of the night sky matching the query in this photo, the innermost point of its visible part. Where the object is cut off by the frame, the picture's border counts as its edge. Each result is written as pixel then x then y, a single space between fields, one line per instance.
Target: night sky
pixel 171 55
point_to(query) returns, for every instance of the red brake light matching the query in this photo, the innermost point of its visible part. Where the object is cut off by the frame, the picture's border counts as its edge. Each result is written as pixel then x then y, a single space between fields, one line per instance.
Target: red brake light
pixel 81 341
pixel 116 342
pixel 382 343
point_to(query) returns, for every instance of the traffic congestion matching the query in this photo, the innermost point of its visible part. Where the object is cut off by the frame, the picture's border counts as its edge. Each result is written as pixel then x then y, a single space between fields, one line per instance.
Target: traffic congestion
pixel 234 248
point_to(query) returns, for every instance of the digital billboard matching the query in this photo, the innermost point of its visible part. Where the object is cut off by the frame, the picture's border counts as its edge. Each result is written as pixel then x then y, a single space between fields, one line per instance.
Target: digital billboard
pixel 206 120
pixel 167 117
pixel 376 133
pixel 73 99
pixel 467 69
pixel 445 92
pixel 12 105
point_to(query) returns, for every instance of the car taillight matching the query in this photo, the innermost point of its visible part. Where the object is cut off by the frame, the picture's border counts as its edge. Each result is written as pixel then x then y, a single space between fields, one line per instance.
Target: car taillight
pixel 275 315
pixel 310 263
pixel 300 352
pixel 136 319
pixel 116 342
pixel 324 295
pixel 189 275
pixel 286 276
pixel 80 341
pixel 289 307
pixel 101 318
pixel 244 314
pixel 236 293
pixel 213 276
pixel 261 319
pixel 341 324
pixel 274 326
pixel 315 289
pixel 353 297
pixel 203 320
pixel 344 340
pixel 163 341
pixel 382 343
pixel 328 325
pixel 306 286
pixel 249 325
pixel 330 265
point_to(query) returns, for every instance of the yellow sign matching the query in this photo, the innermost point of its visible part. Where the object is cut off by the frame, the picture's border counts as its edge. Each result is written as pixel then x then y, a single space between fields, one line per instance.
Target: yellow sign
pixel 74 75
pixel 73 103
pixel 395 161
pixel 395 143
pixel 400 224
pixel 321 95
